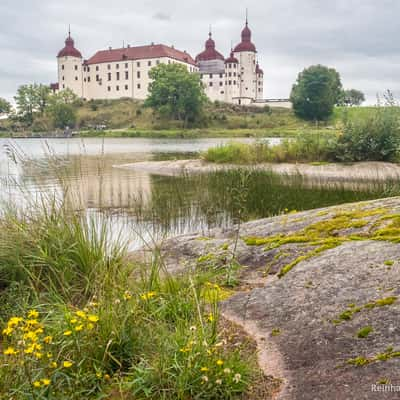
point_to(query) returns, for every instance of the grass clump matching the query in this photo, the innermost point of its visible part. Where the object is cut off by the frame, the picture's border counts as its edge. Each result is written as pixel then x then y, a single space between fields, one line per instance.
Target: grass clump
pixel 82 321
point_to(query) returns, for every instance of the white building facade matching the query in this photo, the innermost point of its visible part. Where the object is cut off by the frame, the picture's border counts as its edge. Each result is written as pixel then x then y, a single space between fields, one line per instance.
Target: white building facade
pixel 117 73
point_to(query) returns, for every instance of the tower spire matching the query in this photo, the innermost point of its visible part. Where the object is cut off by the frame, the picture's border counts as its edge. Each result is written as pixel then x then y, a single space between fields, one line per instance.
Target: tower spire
pixel 69 30
pixel 210 31
pixel 247 16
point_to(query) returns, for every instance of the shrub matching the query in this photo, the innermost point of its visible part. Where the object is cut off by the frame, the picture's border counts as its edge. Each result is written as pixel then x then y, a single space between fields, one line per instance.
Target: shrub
pixel 376 137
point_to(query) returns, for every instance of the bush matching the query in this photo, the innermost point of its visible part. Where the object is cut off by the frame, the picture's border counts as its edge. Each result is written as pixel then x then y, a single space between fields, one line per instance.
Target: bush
pixel 376 137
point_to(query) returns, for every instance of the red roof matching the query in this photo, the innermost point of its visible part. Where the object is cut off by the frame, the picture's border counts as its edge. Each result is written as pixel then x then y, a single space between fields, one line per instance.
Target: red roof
pixel 209 53
pixel 231 59
pixel 69 49
pixel 245 44
pixel 138 53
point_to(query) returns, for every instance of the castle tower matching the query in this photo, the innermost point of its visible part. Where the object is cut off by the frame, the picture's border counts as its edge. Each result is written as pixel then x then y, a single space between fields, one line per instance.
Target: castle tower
pixel 246 52
pixel 70 68
pixel 232 79
pixel 259 83
pixel 211 65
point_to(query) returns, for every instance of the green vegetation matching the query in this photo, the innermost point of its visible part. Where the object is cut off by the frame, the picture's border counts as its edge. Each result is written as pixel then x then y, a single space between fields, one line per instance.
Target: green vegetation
pixel 375 137
pixel 176 94
pixel 351 97
pixel 5 106
pixel 81 321
pixel 364 332
pixel 386 355
pixel 316 92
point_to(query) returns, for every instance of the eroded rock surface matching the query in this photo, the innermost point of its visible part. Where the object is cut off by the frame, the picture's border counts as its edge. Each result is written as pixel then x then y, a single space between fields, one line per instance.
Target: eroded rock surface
pixel 343 277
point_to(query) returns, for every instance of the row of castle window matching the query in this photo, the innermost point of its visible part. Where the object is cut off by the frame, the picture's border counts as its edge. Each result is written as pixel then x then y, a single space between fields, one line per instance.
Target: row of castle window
pixel 222 83
pixel 230 74
pixel 126 87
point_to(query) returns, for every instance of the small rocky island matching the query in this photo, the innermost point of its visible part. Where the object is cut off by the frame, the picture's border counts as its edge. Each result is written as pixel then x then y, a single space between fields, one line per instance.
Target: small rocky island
pixel 318 291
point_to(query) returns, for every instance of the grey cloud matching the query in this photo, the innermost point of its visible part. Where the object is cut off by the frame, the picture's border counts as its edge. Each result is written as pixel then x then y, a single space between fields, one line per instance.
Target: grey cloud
pixel 358 37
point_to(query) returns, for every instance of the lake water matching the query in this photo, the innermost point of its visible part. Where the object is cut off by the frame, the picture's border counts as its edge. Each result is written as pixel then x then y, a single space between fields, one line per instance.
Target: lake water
pixel 144 206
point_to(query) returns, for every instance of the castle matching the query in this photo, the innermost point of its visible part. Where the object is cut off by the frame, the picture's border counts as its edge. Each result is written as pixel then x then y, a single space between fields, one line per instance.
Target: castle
pixel 124 72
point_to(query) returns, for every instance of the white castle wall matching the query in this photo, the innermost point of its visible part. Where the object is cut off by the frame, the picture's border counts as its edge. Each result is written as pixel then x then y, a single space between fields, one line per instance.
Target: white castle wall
pixel 70 74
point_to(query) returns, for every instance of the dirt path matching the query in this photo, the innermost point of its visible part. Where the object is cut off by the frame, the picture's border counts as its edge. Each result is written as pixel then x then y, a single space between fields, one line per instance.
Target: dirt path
pixel 334 172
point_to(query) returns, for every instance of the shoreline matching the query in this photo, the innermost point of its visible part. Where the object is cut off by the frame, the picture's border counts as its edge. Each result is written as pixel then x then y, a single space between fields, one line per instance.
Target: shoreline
pixel 364 171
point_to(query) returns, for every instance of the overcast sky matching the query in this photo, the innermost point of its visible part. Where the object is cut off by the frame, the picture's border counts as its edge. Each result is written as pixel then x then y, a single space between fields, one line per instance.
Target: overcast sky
pixel 360 38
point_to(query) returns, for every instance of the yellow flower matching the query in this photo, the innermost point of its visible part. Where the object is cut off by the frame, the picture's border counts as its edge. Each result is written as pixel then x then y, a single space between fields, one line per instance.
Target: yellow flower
pixel 38 355
pixel 30 349
pixel 48 339
pixel 74 321
pixel 30 336
pixel 49 355
pixel 10 351
pixel 106 377
pixel 210 318
pixel 33 314
pixel 46 382
pixel 31 322
pixel 79 328
pixel 93 318
pixel 148 295
pixel 14 321
pixel 67 364
pixel 90 326
pixel 81 314
pixel 220 362
pixel 127 295
pixel 204 369
pixel 39 331
pixel 98 375
pixel 8 331
pixel 37 384
pixel 67 333
pixel 53 364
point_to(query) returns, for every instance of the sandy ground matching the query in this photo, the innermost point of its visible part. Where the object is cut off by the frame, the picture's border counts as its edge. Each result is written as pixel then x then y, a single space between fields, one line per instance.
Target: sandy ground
pixel 335 172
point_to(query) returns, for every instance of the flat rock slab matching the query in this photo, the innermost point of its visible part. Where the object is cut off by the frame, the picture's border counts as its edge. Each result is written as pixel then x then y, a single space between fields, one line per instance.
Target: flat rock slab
pixel 296 319
pixel 333 172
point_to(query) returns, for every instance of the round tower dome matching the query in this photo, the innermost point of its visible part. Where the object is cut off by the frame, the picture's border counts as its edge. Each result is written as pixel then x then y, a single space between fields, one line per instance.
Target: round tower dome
pixel 231 59
pixel 69 48
pixel 245 44
pixel 210 53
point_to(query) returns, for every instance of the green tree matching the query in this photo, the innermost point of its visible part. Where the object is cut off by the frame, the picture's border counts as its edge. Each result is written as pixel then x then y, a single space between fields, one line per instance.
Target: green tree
pixel 351 97
pixel 61 108
pixel 316 92
pixel 5 106
pixel 31 99
pixel 175 93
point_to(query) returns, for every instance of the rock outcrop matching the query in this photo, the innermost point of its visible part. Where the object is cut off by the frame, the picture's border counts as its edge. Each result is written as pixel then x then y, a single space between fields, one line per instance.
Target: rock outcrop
pixel 319 290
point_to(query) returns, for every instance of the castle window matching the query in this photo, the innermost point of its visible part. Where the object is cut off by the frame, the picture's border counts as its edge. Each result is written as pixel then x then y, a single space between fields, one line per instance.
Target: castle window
pixel 109 76
pixel 97 67
pixel 117 66
pixel 149 63
pixel 88 79
pixel 84 79
pixel 221 84
pixel 201 76
pixel 234 74
pixel 221 75
pixel 63 86
pixel 222 92
pixel 234 65
pixel 211 75
pixel 158 62
pixel 138 85
pixel 97 78
pixel 169 61
pixel 62 67
pixel 126 65
pixel 126 75
pixel 88 69
pixel 63 78
pixel 117 76
pixel 230 82
pixel 109 88
pixel 76 78
pixel 230 65
pixel 138 64
pixel 109 66
pixel 211 84
pixel 126 87
pixel 230 74
pixel 76 68
pixel 234 82
pixel 117 88
pixel 138 74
